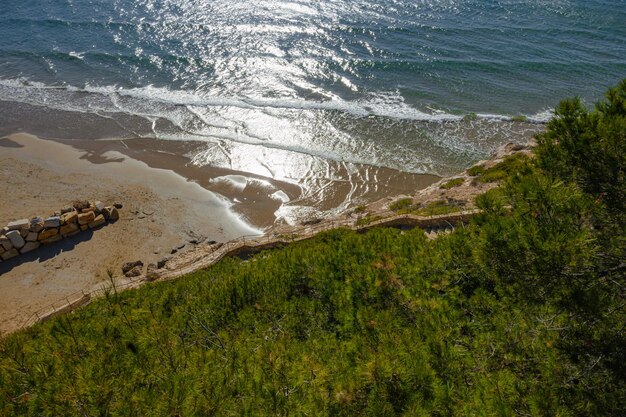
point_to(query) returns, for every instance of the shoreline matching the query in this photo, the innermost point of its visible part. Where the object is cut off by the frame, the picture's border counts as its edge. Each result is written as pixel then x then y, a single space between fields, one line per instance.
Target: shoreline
pixel 168 202
pixel 180 206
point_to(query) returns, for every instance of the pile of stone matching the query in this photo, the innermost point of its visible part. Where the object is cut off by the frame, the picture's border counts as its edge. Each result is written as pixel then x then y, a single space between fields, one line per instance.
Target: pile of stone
pixel 23 236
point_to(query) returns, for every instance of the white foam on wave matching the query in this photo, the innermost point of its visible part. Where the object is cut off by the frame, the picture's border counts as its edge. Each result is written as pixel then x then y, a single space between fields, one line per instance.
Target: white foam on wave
pixel 385 104
pixel 77 55
pixel 250 131
pixel 280 195
pixel 542 116
pixel 240 182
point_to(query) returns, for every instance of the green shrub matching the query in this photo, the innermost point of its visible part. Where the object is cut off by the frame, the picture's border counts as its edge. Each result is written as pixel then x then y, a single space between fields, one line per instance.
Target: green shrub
pixel 452 183
pixel 439 207
pixel 589 147
pixel 511 165
pixel 363 221
pixel 359 209
pixel 401 204
pixel 476 170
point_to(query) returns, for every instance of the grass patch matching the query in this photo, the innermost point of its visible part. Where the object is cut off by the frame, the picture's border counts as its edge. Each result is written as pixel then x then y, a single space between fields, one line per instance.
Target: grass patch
pixel 363 221
pixel 476 170
pixel 440 207
pixel 455 182
pixel 406 206
pixel 511 165
pixel 401 205
pixel 288 236
pixel 359 209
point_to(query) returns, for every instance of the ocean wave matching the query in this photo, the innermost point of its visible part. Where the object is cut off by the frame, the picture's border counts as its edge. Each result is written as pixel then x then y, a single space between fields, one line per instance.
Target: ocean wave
pixel 386 104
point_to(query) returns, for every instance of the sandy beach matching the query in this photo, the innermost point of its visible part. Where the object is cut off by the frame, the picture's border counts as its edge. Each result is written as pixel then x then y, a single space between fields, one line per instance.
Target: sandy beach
pixel 167 202
pixel 160 210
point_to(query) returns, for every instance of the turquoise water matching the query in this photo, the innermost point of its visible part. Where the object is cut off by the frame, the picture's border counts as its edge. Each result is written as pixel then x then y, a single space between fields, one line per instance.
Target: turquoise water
pixel 269 84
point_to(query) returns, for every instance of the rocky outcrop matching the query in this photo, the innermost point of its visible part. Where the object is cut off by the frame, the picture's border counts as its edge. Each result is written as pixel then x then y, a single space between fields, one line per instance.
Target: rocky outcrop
pixel 26 235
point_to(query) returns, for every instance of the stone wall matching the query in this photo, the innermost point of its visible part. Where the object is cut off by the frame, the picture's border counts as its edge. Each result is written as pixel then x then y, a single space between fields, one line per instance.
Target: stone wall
pixel 22 236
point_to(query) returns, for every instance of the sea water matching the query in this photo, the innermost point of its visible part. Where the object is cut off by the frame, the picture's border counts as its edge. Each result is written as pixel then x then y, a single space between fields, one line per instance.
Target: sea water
pixel 291 90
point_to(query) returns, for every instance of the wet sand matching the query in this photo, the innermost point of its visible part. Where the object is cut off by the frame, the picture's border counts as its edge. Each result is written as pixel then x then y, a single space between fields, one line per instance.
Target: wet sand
pixel 254 196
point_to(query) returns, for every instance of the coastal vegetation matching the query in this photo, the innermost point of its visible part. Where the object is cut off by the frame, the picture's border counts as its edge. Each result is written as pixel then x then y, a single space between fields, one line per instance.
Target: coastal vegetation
pixel 455 182
pixel 521 313
pixel 434 208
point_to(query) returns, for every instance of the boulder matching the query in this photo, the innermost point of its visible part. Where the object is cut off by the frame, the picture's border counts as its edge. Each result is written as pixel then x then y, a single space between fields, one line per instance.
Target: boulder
pixel 118 205
pixel 9 254
pixel 130 265
pixel 114 215
pixel 47 234
pixel 162 262
pixel 30 246
pixel 24 232
pixel 36 224
pixel 5 243
pixel 52 239
pixel 86 218
pixel 2 249
pixel 70 217
pixel 51 222
pixel 69 228
pixel 132 269
pixel 18 224
pixel 135 272
pixel 84 227
pixel 152 272
pixel 79 205
pixel 99 205
pixel 98 221
pixel 16 239
pixel 65 210
pixel 32 237
pixel 111 213
pixel 88 210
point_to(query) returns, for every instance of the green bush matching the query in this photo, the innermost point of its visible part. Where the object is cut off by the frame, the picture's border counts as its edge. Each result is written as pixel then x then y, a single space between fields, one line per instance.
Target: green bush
pixel 401 204
pixel 476 170
pixel 455 182
pixel 511 165
pixel 439 207
pixel 363 221
pixel 589 147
